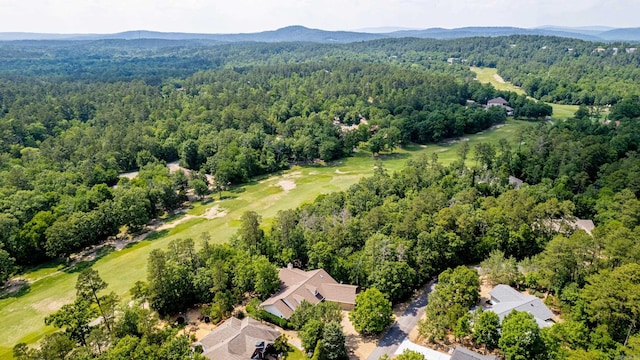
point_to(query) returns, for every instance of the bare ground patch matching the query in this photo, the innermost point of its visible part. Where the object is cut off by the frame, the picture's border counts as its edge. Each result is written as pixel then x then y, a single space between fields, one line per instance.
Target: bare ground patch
pixel 173 224
pixel 214 212
pixel 49 306
pixel 498 78
pixel 358 346
pixel 287 185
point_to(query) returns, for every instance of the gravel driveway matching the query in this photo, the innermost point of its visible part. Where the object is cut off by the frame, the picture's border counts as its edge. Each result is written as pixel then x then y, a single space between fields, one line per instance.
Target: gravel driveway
pixel 390 342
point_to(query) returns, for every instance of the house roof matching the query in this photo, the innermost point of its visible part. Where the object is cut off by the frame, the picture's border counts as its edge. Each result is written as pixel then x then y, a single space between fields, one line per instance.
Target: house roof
pixel 429 354
pixel 515 181
pixel 313 286
pixel 586 225
pixel 498 101
pixel 236 339
pixel 507 299
pixel 578 224
pixel 461 353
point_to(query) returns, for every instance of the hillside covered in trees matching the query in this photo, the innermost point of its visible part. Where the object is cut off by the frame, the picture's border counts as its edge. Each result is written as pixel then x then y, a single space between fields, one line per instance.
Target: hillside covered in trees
pixel 73 116
pixel 394 232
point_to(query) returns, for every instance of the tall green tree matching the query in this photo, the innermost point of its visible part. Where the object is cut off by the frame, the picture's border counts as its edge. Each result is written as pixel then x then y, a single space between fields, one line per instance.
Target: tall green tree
pixel 486 328
pixel 88 285
pixel 372 312
pixel 333 342
pixel 611 299
pixel 250 234
pixel 520 337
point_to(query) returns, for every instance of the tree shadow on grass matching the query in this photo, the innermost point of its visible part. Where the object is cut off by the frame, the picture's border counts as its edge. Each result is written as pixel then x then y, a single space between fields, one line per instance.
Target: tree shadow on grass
pixel 392 156
pixel 154 235
pixel 15 289
pixel 238 189
pixel 91 258
pixel 413 147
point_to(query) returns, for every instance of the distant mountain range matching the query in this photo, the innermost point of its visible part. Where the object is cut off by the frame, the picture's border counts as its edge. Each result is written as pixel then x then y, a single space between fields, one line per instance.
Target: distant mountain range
pixel 301 33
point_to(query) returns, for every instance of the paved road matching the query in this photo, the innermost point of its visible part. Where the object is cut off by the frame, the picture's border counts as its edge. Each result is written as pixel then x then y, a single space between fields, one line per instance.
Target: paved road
pixel 390 341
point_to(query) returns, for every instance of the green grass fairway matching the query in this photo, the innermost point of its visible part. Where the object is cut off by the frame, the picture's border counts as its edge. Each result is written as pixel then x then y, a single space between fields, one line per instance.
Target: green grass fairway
pixel 490 76
pixel 22 315
pixel 563 112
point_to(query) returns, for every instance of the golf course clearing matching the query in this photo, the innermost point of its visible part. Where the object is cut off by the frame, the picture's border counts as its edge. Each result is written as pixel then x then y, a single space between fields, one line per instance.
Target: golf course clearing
pixel 51 285
pixel 491 76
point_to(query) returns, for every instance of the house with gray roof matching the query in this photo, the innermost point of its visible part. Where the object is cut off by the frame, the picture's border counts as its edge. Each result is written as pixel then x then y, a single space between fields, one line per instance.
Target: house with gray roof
pixel 312 286
pixel 517 183
pixel 505 299
pixel 462 353
pixel 570 225
pixel 237 339
pixel 501 102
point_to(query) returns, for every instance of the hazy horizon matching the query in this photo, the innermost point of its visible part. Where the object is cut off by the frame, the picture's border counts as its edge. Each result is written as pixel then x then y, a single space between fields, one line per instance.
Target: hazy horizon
pixel 246 16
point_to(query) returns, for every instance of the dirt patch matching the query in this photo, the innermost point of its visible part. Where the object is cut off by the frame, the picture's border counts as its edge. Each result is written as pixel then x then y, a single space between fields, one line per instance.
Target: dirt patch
pixel 129 175
pixel 195 326
pixel 287 185
pixel 340 172
pixel 498 78
pixel 293 175
pixel 13 286
pixel 173 224
pixel 497 126
pixel 48 306
pixel 214 212
pixel 485 287
pixel 359 347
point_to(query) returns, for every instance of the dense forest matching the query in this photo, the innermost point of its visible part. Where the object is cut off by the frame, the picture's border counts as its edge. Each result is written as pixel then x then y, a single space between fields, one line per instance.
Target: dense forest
pixel 64 143
pixel 394 232
pixel 73 116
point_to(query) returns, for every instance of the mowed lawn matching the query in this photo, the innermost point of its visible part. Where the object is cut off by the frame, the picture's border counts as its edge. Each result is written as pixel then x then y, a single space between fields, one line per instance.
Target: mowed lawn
pixel 22 315
pixel 490 76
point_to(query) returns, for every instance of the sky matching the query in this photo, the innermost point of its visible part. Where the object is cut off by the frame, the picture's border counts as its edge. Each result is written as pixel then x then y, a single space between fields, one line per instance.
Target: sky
pixel 242 16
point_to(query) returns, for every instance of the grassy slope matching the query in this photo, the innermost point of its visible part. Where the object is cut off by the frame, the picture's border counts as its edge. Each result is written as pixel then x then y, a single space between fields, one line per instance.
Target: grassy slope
pixel 487 75
pixel 22 316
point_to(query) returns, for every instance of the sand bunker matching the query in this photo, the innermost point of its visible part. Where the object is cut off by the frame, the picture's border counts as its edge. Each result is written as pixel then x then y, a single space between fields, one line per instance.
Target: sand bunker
pixel 287 185
pixel 214 212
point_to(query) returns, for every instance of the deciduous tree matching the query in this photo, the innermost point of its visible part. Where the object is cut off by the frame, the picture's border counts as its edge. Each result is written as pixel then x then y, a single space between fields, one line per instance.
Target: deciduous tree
pixel 372 312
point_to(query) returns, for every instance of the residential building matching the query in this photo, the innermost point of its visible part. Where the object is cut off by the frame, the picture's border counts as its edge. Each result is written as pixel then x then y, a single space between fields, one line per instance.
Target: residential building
pixel 237 339
pixel 462 353
pixel 313 286
pixel 501 102
pixel 505 299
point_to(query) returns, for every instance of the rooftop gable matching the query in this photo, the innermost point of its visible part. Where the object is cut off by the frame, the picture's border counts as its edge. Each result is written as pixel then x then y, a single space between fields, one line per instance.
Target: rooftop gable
pixel 236 339
pixel 507 299
pixel 313 286
pixel 497 101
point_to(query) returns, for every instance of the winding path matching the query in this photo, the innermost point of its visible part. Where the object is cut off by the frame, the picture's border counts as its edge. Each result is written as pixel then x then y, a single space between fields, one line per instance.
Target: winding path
pixel 390 341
